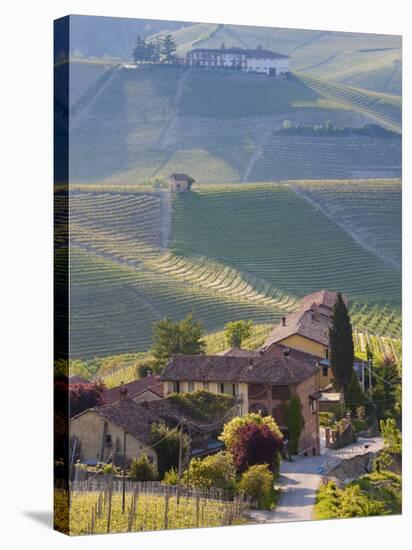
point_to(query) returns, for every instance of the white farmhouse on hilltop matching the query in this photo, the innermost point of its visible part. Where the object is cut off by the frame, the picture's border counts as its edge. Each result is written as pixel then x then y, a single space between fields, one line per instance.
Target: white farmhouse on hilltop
pixel 250 61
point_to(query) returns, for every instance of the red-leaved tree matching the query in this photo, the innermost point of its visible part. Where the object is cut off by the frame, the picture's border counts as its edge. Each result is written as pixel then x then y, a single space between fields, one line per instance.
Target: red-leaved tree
pixel 85 396
pixel 256 444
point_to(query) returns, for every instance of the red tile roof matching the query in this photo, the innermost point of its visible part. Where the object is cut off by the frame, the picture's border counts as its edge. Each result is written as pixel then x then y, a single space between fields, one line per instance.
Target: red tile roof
pixel 151 383
pixel 312 319
pixel 138 418
pixel 282 370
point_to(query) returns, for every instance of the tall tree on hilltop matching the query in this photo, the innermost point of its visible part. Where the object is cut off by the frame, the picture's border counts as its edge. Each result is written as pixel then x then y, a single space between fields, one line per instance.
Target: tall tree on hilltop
pixel 139 49
pixel 342 354
pixel 168 49
pixel 171 338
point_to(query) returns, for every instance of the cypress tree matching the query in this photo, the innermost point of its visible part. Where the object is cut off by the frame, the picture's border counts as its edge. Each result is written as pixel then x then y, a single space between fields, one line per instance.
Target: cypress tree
pixel 342 354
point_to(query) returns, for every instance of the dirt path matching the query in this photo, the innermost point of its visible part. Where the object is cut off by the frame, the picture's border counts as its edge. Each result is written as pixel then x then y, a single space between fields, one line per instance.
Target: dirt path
pixel 323 208
pixel 255 155
pixel 75 122
pixel 178 96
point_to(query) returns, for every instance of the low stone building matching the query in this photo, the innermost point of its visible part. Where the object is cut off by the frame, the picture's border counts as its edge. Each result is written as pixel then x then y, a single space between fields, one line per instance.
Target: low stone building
pixel 262 383
pixel 97 434
pixel 180 182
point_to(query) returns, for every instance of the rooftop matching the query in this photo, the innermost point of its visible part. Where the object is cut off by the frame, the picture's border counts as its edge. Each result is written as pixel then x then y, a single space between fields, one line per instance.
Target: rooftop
pixel 312 319
pixel 138 418
pixel 255 53
pixel 134 388
pixel 282 370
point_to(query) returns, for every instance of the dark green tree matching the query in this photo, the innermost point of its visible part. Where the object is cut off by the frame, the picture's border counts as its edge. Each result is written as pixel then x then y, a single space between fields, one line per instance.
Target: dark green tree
pixel 168 49
pixel 294 422
pixel 342 354
pixel 354 395
pixel 167 447
pixel 182 337
pixel 139 49
pixel 144 51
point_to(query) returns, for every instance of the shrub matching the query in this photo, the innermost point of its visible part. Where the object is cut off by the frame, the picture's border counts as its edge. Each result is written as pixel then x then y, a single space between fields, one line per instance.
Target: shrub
pixel 326 419
pixel 213 471
pixel 256 444
pixel 229 435
pixel 141 469
pixel 257 483
pixel 167 446
pixel 171 477
pixel 371 495
pixel 109 469
pixel 295 423
pixel 202 404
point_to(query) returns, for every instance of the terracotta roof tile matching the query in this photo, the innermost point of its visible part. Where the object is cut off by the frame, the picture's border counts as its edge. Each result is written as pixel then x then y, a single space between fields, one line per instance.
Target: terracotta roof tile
pixel 133 388
pixel 226 368
pixel 312 319
pixel 138 418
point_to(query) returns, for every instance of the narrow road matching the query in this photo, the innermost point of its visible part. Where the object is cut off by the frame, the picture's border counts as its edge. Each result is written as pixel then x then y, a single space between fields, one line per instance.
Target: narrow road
pixel 299 481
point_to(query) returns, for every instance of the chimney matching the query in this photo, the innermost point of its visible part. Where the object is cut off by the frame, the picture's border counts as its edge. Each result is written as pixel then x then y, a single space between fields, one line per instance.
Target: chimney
pixel 283 321
pixel 123 393
pixel 286 352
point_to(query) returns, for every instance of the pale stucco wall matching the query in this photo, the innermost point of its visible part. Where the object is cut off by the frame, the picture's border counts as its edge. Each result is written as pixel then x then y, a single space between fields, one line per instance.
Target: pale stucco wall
pixel 89 429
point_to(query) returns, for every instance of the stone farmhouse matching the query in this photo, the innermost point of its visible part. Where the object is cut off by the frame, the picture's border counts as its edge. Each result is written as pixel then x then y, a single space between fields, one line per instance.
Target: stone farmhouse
pixel 245 60
pixel 98 434
pixel 262 383
pixel 307 330
pixel 180 182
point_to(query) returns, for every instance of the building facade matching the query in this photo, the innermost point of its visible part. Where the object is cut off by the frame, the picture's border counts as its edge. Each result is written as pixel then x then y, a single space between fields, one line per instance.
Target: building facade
pixel 262 383
pixel 307 330
pixel 246 60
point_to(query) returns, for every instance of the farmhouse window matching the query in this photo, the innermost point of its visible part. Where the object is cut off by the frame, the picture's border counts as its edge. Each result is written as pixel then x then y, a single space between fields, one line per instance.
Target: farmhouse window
pixel 326 353
pixel 191 387
pixel 206 386
pixel 108 439
pixel 324 371
pixel 176 387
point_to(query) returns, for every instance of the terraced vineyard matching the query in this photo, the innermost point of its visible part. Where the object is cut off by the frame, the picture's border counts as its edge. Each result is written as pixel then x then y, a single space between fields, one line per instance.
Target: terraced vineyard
pixel 370 211
pixel 385 109
pixel 304 157
pixel 266 231
pixel 228 252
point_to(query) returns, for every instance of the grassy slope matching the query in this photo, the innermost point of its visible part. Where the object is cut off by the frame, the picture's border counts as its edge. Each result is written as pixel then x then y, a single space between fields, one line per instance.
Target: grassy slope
pixel 364 60
pixel 218 125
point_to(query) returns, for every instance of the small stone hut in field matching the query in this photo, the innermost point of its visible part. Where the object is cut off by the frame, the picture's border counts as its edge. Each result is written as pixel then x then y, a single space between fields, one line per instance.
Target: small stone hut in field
pixel 180 182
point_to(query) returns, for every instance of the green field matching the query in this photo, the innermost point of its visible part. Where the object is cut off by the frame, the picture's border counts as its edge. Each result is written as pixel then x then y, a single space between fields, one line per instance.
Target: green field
pixel 227 252
pixel 270 233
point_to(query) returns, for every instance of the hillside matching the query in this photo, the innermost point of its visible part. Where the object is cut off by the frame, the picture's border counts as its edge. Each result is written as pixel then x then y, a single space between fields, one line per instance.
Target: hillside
pixel 363 60
pixel 132 125
pixel 223 252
